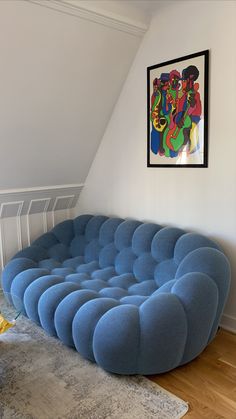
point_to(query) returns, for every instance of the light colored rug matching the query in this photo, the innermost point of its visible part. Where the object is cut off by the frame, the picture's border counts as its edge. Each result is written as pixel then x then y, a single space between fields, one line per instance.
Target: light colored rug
pixel 40 378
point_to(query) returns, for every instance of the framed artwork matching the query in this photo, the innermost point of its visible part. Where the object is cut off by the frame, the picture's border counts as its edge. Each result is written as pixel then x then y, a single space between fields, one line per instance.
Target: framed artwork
pixel 177 112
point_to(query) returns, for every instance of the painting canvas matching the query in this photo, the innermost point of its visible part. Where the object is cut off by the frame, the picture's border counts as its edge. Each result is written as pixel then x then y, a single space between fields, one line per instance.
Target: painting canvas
pixel 178 112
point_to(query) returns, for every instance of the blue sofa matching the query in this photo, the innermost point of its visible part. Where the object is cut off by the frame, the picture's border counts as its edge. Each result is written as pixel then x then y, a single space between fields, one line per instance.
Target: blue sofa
pixel 137 298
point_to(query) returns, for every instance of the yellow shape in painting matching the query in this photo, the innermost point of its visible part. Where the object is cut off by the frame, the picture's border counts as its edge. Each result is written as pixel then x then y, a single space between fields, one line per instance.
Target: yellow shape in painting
pixel 194 138
pixel 4 324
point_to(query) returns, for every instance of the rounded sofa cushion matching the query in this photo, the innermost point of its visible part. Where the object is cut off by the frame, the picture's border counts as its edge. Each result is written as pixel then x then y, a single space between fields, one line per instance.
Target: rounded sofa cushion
pixel 104 274
pixel 144 267
pixel 49 264
pixel 35 253
pixel 88 268
pixel 66 311
pixel 48 302
pixel 122 281
pixel 73 262
pixel 34 291
pixel 163 243
pixel 125 261
pixel 78 278
pixel 80 224
pixel 113 292
pixel 47 240
pixel 135 300
pixel 64 232
pixel 85 322
pixel 198 295
pixel 116 339
pixel 93 227
pixel 59 252
pixel 166 287
pixel 77 246
pixel 107 255
pixel 144 288
pixel 189 242
pixel 62 271
pixel 93 284
pixel 213 263
pixel 163 333
pixel 124 234
pixel 92 251
pixel 13 268
pixel 142 238
pixel 165 271
pixel 108 229
pixel 21 282
pixel 134 297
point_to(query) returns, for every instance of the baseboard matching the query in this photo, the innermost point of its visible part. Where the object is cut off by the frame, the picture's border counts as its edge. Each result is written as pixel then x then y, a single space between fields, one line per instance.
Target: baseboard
pixel 228 323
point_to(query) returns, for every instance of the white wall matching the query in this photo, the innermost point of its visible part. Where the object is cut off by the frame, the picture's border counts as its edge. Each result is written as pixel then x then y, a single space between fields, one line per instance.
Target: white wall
pixel 203 200
pixel 60 77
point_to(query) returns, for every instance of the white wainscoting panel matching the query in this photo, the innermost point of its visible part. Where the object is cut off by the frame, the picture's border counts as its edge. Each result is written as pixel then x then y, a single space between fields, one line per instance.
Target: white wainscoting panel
pixel 10 238
pixel 25 214
pixel 60 215
pixel 36 218
pixel 61 208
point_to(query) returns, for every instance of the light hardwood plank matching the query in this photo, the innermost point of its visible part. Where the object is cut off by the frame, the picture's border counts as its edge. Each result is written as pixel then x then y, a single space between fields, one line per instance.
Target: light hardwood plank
pixel 208 383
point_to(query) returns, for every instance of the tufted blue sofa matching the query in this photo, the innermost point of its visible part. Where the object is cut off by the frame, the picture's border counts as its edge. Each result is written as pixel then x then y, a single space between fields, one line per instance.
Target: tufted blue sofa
pixel 136 298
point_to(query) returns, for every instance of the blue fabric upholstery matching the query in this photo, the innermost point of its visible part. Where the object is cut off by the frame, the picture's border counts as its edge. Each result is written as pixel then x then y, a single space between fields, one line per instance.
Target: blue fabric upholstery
pixel 136 298
pixel 66 311
pixel 49 301
pixel 21 282
pixel 34 291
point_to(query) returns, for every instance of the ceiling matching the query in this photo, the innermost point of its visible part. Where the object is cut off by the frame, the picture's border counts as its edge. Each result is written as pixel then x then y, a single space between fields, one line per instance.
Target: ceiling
pixel 139 10
pixel 61 77
pixel 63 67
pixel 145 6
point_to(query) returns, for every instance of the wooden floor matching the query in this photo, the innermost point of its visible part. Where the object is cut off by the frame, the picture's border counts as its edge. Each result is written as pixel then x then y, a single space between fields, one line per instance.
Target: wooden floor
pixel 208 383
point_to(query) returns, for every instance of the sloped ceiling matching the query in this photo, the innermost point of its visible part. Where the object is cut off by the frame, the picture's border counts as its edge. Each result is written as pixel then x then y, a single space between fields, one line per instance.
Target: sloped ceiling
pixel 60 77
pixel 137 10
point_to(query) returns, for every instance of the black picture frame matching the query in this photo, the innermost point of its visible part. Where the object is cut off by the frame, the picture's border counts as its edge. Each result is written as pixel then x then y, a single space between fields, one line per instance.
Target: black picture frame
pixel 177 112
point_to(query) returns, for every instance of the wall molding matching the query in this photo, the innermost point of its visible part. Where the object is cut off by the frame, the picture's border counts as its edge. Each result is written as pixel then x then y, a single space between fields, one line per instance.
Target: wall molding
pixel 61 202
pixel 25 213
pixel 40 188
pixel 33 196
pixel 228 323
pixel 36 208
pixel 11 208
pixel 95 15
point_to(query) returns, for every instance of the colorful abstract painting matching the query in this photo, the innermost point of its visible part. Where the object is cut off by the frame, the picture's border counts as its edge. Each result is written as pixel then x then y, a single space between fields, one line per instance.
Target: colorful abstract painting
pixel 177 112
